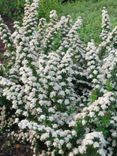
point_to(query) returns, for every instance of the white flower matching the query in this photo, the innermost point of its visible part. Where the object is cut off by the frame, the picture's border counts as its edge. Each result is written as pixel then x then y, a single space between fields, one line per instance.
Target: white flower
pixel 83 122
pixel 82 149
pixel 51 110
pixel 14 106
pixel 61 142
pixel 55 126
pixel 51 118
pixel 75 151
pixel 60 101
pixel 52 94
pixel 72 123
pixel 71 154
pixel 91 114
pixel 23 124
pixel 66 102
pixel 42 117
pixel 54 134
pixel 61 152
pixel 62 93
pixel 39 110
pixel 55 144
pixel 95 72
pixel 95 81
pixel 102 152
pixel 69 145
pixel 48 143
pixel 16 120
pixel 74 133
pixel 101 113
pixel 44 136
pixel 96 144
pixel 25 113
pixel 18 111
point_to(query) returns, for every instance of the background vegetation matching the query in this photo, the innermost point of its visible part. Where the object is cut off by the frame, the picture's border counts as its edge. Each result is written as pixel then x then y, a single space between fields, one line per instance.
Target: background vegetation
pixel 89 10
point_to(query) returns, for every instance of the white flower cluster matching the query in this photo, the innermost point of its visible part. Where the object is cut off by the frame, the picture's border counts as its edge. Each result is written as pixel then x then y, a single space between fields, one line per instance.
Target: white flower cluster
pixel 92 62
pixel 97 108
pixel 57 93
pixel 7 40
pixel 106 27
pixel 2 117
pixel 91 140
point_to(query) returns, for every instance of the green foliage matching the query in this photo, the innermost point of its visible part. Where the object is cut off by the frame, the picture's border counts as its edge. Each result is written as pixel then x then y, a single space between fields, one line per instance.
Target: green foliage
pixel 109 85
pixel 79 128
pixel 12 8
pixel 94 95
pixel 47 5
pixel 91 152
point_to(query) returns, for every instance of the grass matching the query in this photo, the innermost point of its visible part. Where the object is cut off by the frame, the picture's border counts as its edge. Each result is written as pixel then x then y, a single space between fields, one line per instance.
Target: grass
pixel 89 10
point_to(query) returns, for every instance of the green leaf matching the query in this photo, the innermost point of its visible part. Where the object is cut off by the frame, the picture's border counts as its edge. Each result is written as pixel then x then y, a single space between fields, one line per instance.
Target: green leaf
pixel 109 85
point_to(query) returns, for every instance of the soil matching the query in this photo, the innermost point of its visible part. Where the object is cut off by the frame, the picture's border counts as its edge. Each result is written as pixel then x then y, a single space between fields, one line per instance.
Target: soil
pixel 8 149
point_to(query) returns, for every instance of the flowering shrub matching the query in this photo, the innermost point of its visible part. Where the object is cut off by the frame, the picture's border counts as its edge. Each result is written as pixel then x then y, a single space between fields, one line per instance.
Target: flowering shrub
pixel 57 93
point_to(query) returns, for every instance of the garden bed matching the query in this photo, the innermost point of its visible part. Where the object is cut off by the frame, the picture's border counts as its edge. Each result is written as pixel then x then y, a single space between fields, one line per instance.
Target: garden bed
pixel 8 149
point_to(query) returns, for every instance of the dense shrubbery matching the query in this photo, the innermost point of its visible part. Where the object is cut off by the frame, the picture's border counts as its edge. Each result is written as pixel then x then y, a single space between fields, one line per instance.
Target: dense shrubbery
pixel 58 94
